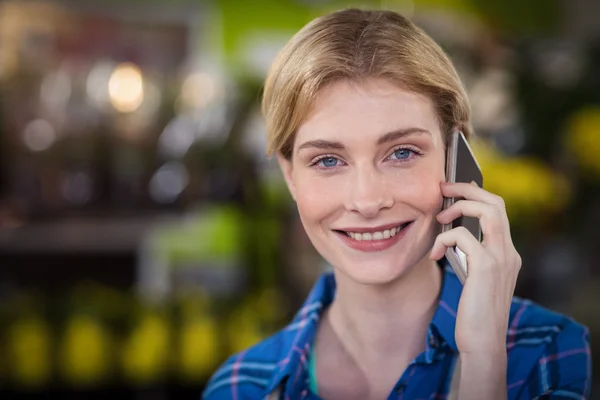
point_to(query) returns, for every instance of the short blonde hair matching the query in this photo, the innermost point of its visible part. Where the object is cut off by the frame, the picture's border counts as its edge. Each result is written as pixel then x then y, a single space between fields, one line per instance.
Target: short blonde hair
pixel 355 45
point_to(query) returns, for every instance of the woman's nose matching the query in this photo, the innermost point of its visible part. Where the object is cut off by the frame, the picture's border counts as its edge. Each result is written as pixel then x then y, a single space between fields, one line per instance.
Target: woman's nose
pixel 368 193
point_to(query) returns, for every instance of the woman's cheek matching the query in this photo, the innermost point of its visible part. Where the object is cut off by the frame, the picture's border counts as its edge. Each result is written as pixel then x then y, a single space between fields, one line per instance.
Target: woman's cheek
pixel 422 190
pixel 317 195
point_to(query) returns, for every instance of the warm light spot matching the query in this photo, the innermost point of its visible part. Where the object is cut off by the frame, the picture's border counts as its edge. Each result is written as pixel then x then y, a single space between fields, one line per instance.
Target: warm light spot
pixel 125 88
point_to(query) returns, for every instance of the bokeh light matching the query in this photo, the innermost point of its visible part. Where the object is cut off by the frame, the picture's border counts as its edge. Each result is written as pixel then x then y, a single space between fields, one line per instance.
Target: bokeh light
pixel 169 182
pixel 39 135
pixel 126 88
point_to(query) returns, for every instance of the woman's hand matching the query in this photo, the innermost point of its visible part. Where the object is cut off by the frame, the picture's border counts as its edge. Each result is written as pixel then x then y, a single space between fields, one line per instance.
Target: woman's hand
pixel 493 267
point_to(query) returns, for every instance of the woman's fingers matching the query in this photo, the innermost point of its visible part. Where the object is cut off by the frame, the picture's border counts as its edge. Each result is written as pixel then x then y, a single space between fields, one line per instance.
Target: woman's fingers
pixel 492 219
pixel 460 237
pixel 467 208
pixel 471 192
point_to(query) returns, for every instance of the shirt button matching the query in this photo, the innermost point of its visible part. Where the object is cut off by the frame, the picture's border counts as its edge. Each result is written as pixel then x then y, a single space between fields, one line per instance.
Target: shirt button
pixel 400 389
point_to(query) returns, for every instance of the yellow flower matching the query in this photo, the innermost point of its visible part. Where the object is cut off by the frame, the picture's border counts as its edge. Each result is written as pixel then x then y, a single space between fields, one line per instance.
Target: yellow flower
pixel 146 352
pixel 270 305
pixel 244 329
pixel 29 352
pixel 584 138
pixel 85 351
pixel 526 184
pixel 198 347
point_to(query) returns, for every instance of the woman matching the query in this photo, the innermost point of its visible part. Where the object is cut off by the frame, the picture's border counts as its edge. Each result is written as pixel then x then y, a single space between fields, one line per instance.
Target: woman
pixel 358 107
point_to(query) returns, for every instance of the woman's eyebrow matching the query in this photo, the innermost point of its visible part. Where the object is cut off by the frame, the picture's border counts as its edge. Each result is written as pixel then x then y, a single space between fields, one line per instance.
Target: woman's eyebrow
pixel 388 137
pixel 400 133
pixel 321 144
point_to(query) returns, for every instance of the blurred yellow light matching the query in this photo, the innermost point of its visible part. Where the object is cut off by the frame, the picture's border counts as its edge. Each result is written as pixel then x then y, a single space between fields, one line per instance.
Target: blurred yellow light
pixel 125 88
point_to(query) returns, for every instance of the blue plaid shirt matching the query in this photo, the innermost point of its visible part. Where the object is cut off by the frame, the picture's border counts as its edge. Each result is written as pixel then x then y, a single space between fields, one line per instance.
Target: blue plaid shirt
pixel 548 354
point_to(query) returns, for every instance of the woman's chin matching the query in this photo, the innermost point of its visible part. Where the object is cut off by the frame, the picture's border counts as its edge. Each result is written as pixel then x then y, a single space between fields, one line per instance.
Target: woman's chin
pixel 376 274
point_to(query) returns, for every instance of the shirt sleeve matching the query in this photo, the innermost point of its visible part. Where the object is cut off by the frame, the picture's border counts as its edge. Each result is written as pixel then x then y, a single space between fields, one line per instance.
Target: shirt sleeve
pixel 219 385
pixel 236 379
pixel 564 369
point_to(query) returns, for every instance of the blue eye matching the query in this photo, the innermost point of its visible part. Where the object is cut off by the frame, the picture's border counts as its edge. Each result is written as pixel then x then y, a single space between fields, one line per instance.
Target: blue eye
pixel 403 154
pixel 328 162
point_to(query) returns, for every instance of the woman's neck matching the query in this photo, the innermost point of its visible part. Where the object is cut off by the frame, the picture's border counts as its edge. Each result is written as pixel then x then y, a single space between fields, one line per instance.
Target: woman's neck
pixel 374 323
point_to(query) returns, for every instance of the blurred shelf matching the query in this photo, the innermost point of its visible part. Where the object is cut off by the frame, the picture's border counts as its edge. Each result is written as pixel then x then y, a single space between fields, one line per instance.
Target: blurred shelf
pixel 80 235
pixel 59 253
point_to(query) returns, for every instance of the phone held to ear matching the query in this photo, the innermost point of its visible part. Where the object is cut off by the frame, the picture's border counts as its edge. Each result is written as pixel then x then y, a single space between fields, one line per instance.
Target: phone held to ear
pixel 461 166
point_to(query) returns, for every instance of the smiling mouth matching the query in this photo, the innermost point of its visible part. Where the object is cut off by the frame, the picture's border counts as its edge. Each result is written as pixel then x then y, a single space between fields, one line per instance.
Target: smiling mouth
pixel 377 235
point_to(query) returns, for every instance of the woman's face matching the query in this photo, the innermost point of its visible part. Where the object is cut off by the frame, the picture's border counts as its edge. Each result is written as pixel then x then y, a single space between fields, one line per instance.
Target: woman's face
pixel 365 173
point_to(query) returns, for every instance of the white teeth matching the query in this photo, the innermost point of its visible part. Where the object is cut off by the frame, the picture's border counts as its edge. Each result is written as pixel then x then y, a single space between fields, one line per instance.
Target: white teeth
pixel 386 234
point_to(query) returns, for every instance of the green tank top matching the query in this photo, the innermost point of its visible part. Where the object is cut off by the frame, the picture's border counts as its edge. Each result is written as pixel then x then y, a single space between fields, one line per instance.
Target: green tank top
pixel 312 370
pixel 312 375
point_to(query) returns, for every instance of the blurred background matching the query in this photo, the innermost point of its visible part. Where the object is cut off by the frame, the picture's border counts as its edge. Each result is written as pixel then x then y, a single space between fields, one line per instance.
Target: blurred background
pixel 145 236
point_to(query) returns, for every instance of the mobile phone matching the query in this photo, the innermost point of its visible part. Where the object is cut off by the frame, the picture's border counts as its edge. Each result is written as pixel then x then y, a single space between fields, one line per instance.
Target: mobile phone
pixel 461 166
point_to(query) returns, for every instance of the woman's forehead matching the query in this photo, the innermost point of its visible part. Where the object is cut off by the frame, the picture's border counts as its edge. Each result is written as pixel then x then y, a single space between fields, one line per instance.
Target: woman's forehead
pixel 373 107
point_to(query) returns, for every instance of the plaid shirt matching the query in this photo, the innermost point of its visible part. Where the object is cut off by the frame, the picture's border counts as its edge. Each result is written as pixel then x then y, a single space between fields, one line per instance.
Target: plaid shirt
pixel 548 355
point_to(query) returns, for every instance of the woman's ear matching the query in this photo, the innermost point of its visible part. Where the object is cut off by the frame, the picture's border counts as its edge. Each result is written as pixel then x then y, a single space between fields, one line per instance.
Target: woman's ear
pixel 286 169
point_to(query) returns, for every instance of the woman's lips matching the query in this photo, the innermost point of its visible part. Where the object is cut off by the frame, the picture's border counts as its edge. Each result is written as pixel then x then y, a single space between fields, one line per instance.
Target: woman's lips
pixel 374 245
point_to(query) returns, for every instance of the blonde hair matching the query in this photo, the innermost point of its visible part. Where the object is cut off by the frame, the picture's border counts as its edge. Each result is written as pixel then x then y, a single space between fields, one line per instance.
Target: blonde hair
pixel 355 45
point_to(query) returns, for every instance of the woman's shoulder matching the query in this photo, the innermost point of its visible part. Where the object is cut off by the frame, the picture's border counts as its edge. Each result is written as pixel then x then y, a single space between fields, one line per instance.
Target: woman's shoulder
pixel 249 373
pixel 254 372
pixel 530 323
pixel 547 351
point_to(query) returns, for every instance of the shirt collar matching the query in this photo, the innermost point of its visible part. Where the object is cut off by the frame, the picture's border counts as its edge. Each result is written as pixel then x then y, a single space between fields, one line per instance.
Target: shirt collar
pixel 444 319
pixel 304 325
pixel 303 329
